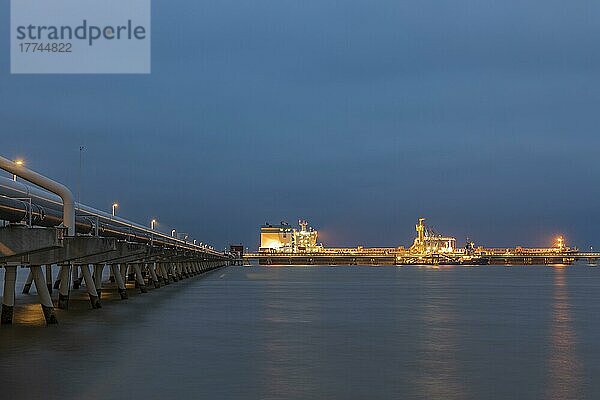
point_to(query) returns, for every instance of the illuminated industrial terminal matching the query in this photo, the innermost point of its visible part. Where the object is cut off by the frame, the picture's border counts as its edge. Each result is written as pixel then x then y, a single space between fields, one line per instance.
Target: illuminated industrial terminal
pixel 283 244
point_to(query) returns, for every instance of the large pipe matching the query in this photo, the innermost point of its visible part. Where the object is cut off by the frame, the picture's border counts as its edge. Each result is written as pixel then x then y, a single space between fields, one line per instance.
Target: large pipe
pixel 14 211
pixel 46 212
pixel 48 184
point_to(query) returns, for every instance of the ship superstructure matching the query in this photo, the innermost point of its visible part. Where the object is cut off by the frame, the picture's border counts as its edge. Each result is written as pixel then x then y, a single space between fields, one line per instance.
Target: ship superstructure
pixel 430 242
pixel 283 238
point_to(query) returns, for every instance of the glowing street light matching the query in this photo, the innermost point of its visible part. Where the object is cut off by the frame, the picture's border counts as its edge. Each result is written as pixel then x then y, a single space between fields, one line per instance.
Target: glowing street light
pixel 152 226
pixel 19 163
pixel 114 208
pixel 174 233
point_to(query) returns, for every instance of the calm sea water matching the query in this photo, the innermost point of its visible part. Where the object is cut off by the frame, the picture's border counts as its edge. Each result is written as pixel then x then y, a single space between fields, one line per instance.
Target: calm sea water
pixel 322 333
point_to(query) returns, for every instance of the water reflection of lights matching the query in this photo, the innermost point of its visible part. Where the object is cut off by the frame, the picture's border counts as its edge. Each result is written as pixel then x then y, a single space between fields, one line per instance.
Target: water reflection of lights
pixel 440 376
pixel 29 314
pixel 564 369
pixel 285 339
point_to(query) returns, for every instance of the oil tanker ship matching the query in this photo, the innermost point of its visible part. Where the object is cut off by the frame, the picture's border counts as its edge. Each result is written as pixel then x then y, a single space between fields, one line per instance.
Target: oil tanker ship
pixel 283 244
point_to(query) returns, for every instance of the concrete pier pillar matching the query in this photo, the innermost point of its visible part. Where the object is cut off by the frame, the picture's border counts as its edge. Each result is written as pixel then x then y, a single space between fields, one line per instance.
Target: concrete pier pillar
pixel 153 275
pixel 184 271
pixel 172 274
pixel 48 277
pixel 63 288
pixel 173 270
pixel 123 270
pixel 119 279
pixel 76 277
pixel 98 270
pixel 168 272
pixel 44 294
pixel 159 273
pixel 28 282
pixel 165 273
pixel 140 278
pixel 91 288
pixel 8 296
pixel 146 274
pixel 131 273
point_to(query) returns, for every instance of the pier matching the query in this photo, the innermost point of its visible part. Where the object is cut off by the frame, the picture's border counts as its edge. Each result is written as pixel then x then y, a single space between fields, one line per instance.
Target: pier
pixel 48 235
pixel 394 256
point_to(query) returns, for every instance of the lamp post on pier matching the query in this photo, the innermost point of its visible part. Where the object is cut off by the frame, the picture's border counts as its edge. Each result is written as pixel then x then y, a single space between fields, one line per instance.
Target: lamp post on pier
pixel 19 163
pixel 152 226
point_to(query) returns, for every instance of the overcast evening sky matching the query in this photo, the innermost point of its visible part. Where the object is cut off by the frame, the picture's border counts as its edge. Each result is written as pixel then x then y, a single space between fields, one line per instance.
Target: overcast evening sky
pixel 360 116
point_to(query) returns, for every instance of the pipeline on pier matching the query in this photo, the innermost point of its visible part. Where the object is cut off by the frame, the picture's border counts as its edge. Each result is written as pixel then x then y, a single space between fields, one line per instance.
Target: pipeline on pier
pixel 37 234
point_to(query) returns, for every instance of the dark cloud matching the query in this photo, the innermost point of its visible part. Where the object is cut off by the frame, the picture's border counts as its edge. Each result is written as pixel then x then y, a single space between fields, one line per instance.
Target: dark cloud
pixel 360 116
